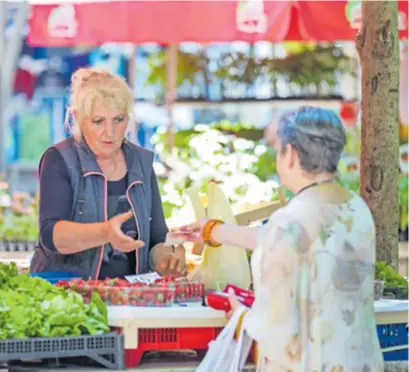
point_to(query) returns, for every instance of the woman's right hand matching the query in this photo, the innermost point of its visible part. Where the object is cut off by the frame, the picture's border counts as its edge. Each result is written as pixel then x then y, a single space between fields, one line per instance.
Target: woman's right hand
pixel 192 232
pixel 117 238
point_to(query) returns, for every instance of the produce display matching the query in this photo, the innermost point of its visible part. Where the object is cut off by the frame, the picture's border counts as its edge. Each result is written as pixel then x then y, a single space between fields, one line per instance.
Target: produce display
pixel 395 284
pixel 32 307
pixel 185 290
pixel 119 292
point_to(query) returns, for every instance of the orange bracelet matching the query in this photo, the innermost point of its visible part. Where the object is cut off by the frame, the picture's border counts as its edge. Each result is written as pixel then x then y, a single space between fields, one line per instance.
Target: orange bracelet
pixel 207 232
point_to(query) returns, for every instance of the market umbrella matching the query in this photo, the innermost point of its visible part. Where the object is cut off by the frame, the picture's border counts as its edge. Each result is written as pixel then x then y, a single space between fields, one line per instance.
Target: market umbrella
pixel 59 23
pixel 67 23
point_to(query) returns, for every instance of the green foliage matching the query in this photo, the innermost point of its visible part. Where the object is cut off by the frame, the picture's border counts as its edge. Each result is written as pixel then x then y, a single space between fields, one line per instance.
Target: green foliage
pixel 224 152
pixel 189 67
pixel 265 166
pixel 309 67
pixel 389 275
pixel 353 145
pixel 312 67
pixel 403 201
pixel 32 307
pixel 19 227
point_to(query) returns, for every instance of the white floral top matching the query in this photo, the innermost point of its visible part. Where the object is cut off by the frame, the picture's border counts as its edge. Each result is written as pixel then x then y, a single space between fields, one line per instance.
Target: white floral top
pixel 313 276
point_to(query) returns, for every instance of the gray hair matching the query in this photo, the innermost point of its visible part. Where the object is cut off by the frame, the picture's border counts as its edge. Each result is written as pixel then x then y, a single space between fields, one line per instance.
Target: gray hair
pixel 317 135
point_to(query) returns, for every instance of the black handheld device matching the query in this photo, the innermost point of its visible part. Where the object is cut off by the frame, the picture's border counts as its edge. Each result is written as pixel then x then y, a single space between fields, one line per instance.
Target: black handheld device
pixel 128 227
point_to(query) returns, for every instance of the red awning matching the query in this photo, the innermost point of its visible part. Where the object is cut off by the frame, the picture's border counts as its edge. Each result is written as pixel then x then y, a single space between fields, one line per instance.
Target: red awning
pixel 173 22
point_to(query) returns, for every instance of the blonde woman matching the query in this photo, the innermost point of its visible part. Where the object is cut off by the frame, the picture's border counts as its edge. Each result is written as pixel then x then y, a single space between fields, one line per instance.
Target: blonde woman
pixel 100 209
pixel 313 263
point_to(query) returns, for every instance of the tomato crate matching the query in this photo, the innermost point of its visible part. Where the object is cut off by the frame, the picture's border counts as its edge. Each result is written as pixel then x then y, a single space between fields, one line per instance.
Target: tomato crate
pixel 189 292
pixel 166 339
pixel 128 296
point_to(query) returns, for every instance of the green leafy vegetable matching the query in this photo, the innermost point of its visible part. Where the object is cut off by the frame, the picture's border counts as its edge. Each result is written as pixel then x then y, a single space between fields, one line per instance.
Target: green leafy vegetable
pixel 32 307
pixel 387 273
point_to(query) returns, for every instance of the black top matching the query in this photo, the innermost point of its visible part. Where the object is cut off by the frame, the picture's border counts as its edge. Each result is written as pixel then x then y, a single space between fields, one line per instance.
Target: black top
pixel 55 182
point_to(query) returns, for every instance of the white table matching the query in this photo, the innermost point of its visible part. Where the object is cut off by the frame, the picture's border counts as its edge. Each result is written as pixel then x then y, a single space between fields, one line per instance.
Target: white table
pixel 130 319
pixel 391 311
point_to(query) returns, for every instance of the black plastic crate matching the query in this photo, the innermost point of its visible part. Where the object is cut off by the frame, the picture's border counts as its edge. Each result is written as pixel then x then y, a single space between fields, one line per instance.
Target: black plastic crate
pixel 107 350
pixel 17 246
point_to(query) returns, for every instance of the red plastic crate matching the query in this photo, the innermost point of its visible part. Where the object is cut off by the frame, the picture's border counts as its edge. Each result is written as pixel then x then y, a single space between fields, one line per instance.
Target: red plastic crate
pixel 165 339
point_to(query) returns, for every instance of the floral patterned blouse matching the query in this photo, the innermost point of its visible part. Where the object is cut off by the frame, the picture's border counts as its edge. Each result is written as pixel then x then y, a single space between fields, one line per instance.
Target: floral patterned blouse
pixel 313 274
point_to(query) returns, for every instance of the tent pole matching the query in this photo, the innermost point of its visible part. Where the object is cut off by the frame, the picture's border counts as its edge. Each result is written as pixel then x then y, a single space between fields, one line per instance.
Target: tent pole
pixel 132 85
pixel 171 85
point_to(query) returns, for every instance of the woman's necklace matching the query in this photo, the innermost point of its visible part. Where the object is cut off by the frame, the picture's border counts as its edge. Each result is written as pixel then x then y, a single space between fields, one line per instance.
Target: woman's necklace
pixel 312 185
pixel 108 176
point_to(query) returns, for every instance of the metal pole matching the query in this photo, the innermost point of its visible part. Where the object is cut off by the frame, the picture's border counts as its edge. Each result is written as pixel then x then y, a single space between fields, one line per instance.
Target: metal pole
pixel 132 84
pixel 171 86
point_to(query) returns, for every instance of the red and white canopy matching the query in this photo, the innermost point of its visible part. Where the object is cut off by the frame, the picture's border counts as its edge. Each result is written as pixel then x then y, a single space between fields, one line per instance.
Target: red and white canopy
pixel 63 23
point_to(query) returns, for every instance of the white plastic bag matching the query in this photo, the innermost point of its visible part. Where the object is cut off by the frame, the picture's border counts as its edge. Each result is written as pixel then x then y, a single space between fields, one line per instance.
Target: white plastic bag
pixel 225 264
pixel 225 353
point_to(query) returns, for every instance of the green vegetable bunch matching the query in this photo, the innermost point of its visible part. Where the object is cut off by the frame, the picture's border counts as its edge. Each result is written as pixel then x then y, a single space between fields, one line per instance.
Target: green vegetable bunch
pixel 7 272
pixel 389 275
pixel 32 307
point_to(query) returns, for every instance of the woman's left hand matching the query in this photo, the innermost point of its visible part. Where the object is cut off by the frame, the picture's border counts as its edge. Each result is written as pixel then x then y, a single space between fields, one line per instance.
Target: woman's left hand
pixel 171 263
pixel 234 304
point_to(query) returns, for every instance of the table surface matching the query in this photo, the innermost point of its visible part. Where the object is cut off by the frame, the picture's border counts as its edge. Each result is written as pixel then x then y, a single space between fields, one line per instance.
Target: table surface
pixel 193 312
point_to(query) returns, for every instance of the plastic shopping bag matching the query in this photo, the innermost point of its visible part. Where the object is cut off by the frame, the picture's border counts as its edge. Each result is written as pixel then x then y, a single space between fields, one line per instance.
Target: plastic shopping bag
pixel 222 265
pixel 225 353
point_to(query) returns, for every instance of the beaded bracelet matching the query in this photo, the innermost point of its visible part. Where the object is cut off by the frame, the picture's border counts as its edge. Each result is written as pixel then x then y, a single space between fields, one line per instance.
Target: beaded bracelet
pixel 207 232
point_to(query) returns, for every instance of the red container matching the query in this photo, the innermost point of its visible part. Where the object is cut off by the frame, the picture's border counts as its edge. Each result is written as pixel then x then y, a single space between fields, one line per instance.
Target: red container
pixel 165 339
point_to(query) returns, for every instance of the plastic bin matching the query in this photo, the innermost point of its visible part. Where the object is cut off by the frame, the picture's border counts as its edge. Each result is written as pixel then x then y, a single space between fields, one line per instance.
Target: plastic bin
pixel 105 349
pixel 391 335
pixel 165 339
pixel 55 276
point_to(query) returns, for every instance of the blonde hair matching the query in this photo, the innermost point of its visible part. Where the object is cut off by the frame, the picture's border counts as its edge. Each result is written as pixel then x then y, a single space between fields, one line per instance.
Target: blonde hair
pixel 89 85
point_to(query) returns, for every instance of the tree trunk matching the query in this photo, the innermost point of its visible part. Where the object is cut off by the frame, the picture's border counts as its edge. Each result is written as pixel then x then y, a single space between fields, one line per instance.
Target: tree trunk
pixel 378 46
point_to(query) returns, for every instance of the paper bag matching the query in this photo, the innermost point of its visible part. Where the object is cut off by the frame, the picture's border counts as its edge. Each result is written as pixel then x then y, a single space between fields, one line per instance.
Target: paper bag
pixel 225 264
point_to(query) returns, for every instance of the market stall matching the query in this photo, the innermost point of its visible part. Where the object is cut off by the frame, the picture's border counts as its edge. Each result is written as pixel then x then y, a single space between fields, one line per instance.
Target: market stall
pixel 170 315
pixel 200 321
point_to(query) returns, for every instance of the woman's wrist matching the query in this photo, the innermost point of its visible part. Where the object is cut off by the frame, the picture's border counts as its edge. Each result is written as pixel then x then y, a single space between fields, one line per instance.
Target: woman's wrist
pixel 105 231
pixel 217 233
pixel 208 231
